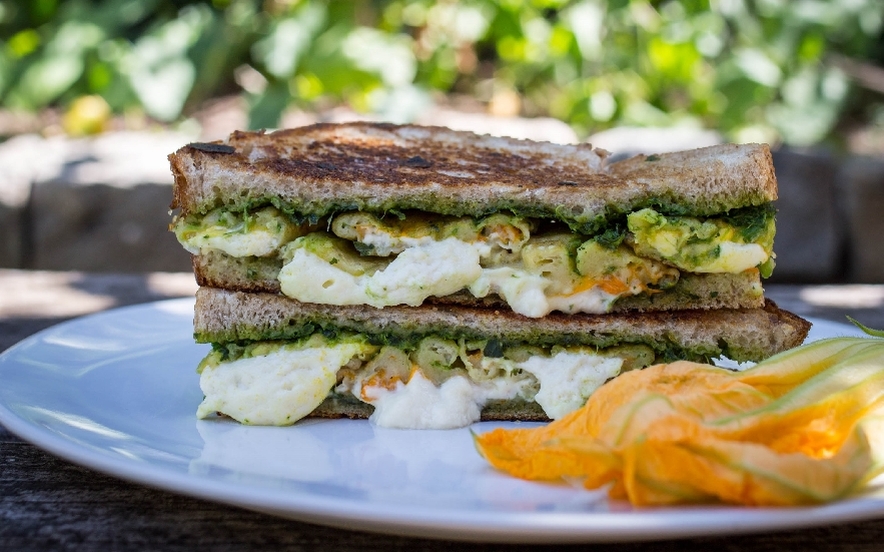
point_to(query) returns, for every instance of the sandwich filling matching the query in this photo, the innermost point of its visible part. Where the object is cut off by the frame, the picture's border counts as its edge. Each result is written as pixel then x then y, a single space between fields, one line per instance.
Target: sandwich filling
pixel 535 266
pixel 436 383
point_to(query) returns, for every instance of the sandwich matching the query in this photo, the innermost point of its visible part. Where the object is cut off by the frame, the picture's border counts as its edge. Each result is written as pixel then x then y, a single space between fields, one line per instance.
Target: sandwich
pixel 388 215
pixel 275 360
pixel 427 278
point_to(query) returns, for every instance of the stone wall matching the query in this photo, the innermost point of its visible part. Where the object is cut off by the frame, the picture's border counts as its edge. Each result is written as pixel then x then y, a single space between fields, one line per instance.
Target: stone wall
pixel 91 204
pixel 101 204
pixel 829 226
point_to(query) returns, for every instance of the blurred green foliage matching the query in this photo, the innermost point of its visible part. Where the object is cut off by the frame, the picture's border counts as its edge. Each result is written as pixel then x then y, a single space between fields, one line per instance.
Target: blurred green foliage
pixel 753 69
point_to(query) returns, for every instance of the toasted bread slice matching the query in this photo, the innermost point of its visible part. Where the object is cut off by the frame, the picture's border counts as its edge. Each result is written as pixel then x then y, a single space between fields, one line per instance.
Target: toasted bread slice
pixel 321 169
pixel 223 316
pixel 704 173
pixel 237 319
pixel 693 291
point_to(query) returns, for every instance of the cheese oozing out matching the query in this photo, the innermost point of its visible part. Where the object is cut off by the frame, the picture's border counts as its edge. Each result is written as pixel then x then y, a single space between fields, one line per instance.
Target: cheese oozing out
pixel 566 380
pixel 257 234
pixel 431 269
pixel 285 383
pixel 691 244
pixel 405 261
pixel 278 387
pixel 735 257
pixel 421 404
pixel 528 294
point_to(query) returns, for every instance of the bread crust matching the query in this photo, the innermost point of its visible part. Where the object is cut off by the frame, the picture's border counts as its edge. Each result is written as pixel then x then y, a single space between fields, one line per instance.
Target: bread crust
pixel 704 172
pixel 740 334
pixel 325 168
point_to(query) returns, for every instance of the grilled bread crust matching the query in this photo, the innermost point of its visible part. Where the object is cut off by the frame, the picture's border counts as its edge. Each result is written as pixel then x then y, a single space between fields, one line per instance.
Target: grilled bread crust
pixel 326 168
pixel 692 291
pixel 223 316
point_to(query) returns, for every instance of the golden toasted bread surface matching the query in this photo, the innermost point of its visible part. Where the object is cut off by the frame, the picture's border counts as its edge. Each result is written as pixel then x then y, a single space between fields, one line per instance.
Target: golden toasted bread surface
pixel 740 334
pixel 326 168
pixel 703 172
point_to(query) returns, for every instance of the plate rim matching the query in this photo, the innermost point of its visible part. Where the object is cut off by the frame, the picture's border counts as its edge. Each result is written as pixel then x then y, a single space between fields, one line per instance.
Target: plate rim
pixel 426 522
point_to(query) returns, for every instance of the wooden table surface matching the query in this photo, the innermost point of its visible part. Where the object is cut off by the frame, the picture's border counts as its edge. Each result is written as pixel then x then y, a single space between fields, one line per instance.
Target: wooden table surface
pixel 50 504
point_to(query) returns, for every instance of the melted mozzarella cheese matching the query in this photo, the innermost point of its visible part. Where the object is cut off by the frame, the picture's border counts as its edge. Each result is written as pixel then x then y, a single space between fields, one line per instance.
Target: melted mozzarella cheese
pixel 735 257
pixel 567 379
pixel 286 384
pixel 527 294
pixel 419 404
pixel 309 278
pixel 384 244
pixel 523 292
pixel 278 388
pixel 263 235
pixel 431 269
pixel 257 243
pixel 593 300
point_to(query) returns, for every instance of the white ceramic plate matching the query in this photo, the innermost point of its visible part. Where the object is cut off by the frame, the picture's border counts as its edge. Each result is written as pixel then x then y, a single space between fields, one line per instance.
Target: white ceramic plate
pixel 117 392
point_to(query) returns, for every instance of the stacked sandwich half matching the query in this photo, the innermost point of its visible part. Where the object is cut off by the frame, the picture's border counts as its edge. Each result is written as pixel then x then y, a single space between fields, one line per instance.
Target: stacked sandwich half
pixel 429 278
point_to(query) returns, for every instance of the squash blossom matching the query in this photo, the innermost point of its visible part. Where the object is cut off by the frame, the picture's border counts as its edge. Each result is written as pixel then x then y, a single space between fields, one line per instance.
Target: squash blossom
pixel 805 426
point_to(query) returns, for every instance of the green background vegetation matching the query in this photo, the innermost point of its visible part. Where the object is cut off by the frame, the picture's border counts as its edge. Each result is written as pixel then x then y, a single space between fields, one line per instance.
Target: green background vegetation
pixel 754 69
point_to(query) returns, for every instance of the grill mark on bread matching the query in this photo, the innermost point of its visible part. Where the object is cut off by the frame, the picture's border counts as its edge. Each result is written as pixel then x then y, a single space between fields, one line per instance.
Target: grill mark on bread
pixel 322 168
pixel 389 164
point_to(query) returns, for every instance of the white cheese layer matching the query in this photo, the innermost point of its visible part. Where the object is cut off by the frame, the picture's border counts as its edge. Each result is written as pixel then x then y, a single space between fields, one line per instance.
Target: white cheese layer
pixel 457 402
pixel 420 404
pixel 593 300
pixel 523 292
pixel 264 233
pixel 278 388
pixel 527 295
pixel 385 245
pixel 286 384
pixel 430 269
pixel 567 379
pixel 735 257
pixel 257 243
